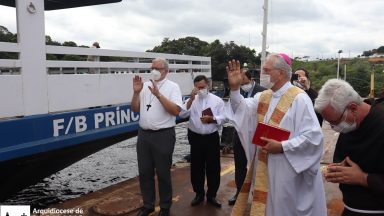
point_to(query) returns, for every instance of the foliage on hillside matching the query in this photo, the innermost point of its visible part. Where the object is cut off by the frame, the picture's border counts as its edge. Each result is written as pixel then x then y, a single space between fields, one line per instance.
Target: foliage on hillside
pixel 220 53
pixel 7 36
pixel 358 73
pixel 378 51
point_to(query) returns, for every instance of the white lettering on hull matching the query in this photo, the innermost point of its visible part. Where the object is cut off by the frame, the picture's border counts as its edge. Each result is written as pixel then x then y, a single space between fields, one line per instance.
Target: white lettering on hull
pixel 81 123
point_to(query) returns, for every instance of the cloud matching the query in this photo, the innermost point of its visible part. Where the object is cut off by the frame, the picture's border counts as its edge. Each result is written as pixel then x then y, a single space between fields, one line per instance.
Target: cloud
pixel 301 27
pixel 338 25
pixel 290 12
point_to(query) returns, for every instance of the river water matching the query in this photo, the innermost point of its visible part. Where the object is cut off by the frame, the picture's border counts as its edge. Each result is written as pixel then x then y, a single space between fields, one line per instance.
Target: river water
pixel 102 169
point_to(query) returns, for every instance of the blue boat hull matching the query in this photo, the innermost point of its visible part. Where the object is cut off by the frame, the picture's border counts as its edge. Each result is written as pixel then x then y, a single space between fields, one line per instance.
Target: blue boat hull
pixel 23 172
pixel 37 146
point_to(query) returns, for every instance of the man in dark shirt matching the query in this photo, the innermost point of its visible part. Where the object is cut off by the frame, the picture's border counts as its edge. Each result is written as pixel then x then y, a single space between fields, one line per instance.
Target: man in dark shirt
pixel 358 160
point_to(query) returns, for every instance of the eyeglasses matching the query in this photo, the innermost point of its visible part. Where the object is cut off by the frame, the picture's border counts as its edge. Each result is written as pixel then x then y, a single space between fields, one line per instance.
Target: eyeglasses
pixel 154 68
pixel 336 122
pixel 267 70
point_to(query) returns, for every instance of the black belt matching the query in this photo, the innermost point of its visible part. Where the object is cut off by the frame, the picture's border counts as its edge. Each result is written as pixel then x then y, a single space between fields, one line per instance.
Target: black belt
pixel 154 131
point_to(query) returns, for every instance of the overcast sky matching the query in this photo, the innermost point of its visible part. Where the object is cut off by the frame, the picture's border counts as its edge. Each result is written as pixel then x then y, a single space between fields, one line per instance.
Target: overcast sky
pixel 316 28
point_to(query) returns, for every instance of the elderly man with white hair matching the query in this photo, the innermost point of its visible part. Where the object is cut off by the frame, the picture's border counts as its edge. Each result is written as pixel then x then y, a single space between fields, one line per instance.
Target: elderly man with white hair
pixel 294 183
pixel 359 155
pixel 159 102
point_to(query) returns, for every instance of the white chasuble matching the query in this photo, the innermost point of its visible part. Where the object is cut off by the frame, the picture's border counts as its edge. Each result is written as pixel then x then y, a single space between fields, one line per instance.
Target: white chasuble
pixel 295 182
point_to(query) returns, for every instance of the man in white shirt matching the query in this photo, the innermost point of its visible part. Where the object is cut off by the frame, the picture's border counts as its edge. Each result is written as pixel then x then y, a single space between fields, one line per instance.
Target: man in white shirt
pixel 159 102
pixel 204 139
pixel 294 183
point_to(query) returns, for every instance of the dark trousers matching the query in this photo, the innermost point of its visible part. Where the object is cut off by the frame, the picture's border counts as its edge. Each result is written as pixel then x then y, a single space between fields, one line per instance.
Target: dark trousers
pixel 154 154
pixel 205 161
pixel 240 162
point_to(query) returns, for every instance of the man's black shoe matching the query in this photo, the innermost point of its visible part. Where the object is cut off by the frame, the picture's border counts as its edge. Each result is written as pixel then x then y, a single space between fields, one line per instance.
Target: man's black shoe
pixel 145 211
pixel 197 200
pixel 214 202
pixel 163 212
pixel 232 201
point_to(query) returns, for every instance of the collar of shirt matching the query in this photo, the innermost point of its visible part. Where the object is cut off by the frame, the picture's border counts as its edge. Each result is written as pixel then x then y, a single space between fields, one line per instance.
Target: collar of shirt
pixel 282 90
pixel 203 101
pixel 161 82
pixel 251 90
pixel 195 123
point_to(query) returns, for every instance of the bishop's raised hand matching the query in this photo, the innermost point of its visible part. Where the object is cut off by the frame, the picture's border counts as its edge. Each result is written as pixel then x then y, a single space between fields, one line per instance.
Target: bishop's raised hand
pixel 234 74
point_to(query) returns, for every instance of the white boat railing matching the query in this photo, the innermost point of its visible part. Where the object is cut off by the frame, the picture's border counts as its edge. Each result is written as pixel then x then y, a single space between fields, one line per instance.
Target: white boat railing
pixel 133 61
pixel 72 85
pixel 9 47
pixel 9 66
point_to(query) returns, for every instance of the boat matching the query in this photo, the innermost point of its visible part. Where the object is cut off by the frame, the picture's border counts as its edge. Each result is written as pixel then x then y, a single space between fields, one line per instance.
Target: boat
pixel 56 112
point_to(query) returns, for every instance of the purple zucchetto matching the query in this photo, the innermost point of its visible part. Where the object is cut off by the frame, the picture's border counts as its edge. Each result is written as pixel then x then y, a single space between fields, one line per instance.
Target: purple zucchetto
pixel 286 58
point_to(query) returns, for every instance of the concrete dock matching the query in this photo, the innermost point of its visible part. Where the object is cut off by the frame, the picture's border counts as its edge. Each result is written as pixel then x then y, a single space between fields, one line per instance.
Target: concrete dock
pixel 124 198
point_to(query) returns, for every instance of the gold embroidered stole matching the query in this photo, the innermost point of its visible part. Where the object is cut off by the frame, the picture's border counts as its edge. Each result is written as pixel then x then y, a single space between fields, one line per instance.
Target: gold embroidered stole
pixel 261 188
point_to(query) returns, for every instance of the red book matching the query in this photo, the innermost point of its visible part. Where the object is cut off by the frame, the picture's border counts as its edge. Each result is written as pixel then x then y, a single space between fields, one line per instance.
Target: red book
pixel 270 132
pixel 207 112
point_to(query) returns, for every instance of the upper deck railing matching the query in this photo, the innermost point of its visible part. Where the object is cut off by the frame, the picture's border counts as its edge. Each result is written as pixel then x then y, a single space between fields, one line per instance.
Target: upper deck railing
pixel 71 85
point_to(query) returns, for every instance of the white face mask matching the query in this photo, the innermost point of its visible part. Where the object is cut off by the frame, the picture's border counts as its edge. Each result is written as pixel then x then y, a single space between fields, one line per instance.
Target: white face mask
pixel 247 87
pixel 202 92
pixel 298 84
pixel 265 81
pixel 155 74
pixel 344 127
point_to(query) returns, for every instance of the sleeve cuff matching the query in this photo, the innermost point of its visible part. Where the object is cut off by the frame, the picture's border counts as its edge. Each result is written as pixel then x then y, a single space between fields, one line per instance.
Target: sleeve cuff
pixel 375 182
pixel 235 96
pixel 285 146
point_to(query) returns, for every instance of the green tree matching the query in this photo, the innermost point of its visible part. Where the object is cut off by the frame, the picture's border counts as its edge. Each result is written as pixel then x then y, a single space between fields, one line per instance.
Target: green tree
pixel 359 77
pixel 70 44
pixel 72 57
pixel 49 41
pixel 367 53
pixel 358 74
pixel 188 46
pixel 380 50
pixel 7 36
pixel 220 53
pixel 218 59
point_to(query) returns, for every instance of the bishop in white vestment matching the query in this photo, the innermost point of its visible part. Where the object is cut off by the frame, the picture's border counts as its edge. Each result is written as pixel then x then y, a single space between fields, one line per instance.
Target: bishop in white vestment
pixel 295 185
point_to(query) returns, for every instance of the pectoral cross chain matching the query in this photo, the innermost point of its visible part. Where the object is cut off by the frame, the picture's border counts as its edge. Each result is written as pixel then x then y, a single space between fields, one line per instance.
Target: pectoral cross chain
pixel 152 96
